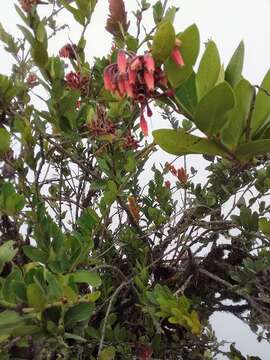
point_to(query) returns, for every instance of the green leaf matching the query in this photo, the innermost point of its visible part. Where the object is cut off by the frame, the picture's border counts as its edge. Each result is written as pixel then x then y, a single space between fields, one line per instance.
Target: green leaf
pixel 236 124
pixel 212 111
pixel 7 253
pixel 253 148
pixel 177 75
pixel 36 297
pixel 35 254
pixel 163 42
pixel 108 353
pixel 178 142
pixel 4 140
pixel 190 46
pixel 261 113
pixel 186 94
pixel 89 277
pixel 158 12
pixel 209 70
pixel 78 313
pixel 233 72
pixel 264 226
pixel 189 49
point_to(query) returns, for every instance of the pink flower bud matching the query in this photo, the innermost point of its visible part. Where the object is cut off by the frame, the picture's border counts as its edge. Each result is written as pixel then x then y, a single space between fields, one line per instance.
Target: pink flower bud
pixel 168 184
pixel 149 80
pixel 122 62
pixel 136 63
pixel 143 125
pixel 107 78
pixel 149 62
pixel 177 57
pixel 132 75
pixel 129 89
pixel 121 87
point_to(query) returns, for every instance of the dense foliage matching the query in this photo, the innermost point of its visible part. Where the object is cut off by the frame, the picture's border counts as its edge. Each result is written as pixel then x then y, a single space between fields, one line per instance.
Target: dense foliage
pixel 103 254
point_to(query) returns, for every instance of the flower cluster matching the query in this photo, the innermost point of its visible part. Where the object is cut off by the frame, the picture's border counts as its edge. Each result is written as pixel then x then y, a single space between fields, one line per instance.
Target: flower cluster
pixel 99 127
pixel 180 173
pixel 137 77
pixel 130 142
pixel 68 51
pixel 32 80
pixel 27 5
pixel 77 81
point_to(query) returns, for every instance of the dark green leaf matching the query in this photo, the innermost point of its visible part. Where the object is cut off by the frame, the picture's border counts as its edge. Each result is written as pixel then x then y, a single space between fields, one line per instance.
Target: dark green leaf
pixel 209 70
pixel 78 313
pixel 237 120
pixel 89 277
pixel 178 142
pixel 212 111
pixel 163 42
pixel 186 94
pixel 233 72
pixel 261 113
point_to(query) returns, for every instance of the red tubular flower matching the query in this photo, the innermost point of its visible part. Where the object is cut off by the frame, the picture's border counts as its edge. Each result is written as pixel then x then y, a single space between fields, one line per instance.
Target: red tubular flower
pixel 168 184
pixel 122 62
pixel 182 175
pixel 177 57
pixel 132 76
pixel 149 80
pixel 149 63
pixel 67 51
pixel 136 63
pixel 143 125
pixel 129 89
pixel 121 87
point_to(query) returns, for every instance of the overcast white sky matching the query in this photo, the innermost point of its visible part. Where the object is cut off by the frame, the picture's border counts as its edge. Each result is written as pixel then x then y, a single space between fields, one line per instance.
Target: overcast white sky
pixel 227 22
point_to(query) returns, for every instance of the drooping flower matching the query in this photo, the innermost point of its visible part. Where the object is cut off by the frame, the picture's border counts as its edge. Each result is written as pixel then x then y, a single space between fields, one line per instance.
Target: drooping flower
pixel 77 81
pixel 177 57
pixel 182 175
pixel 149 63
pixel 136 77
pixel 143 125
pixel 122 62
pixel 68 51
pixel 149 80
pixel 27 5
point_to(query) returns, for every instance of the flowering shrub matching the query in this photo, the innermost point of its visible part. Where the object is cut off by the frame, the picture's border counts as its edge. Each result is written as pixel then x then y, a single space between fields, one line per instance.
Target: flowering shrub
pixel 101 257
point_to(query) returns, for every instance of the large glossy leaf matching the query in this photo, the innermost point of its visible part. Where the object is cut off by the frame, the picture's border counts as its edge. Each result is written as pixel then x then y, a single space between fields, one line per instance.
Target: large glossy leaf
pixel 186 94
pixel 163 42
pixel 209 70
pixel 253 148
pixel 189 49
pixel 178 142
pixel 212 111
pixel 261 114
pixel 236 123
pixel 234 69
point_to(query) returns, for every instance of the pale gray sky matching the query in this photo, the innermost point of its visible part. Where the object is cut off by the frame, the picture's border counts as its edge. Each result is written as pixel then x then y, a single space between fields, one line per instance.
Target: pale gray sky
pixel 227 22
